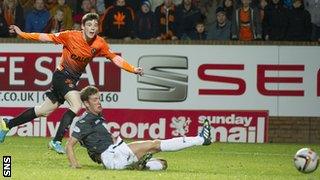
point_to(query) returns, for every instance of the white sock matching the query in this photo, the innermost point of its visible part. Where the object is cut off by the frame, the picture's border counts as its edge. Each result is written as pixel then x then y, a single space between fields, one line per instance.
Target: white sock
pixel 176 144
pixel 154 165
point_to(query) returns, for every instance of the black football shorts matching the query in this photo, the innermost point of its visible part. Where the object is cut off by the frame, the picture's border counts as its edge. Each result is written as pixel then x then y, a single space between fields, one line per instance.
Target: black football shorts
pixel 62 83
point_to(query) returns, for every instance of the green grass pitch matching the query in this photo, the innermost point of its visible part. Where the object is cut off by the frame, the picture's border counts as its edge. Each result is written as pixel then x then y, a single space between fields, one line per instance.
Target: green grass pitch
pixel 31 159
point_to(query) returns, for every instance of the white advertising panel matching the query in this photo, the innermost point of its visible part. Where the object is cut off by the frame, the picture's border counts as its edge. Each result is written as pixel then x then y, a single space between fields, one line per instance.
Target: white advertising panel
pixel 281 79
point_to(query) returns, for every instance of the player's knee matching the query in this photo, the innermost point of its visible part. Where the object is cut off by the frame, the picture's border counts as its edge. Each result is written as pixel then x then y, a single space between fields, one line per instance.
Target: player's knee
pixel 156 144
pixel 41 111
pixel 43 114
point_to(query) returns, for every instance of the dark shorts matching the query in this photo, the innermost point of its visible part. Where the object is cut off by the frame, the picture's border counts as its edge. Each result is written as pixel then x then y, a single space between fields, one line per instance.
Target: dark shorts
pixel 62 83
pixel 315 32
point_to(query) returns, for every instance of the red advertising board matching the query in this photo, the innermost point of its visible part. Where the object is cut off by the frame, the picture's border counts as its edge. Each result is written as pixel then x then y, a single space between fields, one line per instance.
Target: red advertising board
pixel 33 71
pixel 227 126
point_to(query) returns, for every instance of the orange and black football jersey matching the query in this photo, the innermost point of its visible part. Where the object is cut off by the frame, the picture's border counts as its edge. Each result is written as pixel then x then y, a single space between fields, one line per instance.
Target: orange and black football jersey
pixel 77 52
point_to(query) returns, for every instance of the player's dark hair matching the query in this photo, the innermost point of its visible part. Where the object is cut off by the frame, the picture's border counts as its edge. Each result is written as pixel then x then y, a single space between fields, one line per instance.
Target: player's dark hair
pixel 88 91
pixel 89 17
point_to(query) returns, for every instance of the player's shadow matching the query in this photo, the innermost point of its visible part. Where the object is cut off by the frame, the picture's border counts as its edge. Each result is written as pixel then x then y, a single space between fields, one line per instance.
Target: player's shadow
pixel 93 167
pixel 184 171
pixel 96 167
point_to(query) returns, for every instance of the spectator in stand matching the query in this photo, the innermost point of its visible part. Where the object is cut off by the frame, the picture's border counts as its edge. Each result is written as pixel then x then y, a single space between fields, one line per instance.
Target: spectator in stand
pixel 261 6
pixel 199 33
pixel 288 4
pixel 86 7
pixel 38 18
pixel 145 27
pixel 253 3
pixel 196 3
pixel 187 17
pixel 275 21
pixel 118 20
pixel 229 7
pixel 299 23
pixel 108 3
pixel 4 30
pixel 13 13
pixel 49 4
pixel 165 16
pixel 27 6
pixel 208 9
pixel 67 13
pixel 134 4
pixel 246 23
pixel 76 26
pixel 221 29
pixel 55 23
pixel 155 4
pixel 98 6
pixel 73 5
pixel 177 2
pixel 313 7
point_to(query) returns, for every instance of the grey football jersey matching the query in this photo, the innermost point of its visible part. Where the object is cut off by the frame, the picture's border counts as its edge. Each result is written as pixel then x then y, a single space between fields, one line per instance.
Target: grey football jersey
pixel 91 131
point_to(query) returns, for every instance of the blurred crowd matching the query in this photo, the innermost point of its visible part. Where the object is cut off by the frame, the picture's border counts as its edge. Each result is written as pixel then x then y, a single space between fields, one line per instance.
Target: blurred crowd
pixel 246 20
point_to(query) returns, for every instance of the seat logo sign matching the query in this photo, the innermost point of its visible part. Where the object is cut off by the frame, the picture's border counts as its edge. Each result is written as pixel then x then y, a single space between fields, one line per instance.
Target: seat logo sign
pixel 159 71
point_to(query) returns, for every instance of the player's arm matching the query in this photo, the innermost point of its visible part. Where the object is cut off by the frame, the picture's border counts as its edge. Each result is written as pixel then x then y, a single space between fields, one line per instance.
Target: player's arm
pixel 32 36
pixel 123 64
pixel 119 61
pixel 70 153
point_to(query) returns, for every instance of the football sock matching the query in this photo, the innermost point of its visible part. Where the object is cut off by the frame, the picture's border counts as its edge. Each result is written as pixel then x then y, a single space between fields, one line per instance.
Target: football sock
pixel 64 124
pixel 154 165
pixel 24 117
pixel 176 144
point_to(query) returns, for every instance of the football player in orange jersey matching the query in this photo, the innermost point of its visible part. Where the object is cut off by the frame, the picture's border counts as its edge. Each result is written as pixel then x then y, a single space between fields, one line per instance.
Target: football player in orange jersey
pixel 79 48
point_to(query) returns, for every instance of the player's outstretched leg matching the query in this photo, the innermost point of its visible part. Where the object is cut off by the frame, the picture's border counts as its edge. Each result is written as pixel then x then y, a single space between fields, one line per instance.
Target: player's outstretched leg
pixel 142 148
pixel 3 129
pixel 206 133
pixel 73 98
